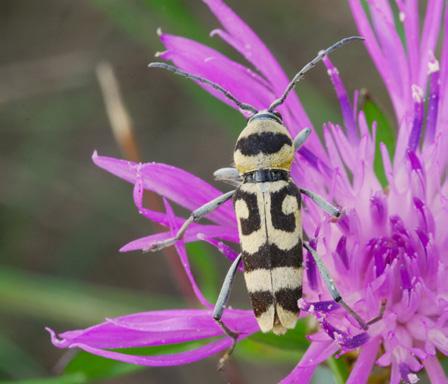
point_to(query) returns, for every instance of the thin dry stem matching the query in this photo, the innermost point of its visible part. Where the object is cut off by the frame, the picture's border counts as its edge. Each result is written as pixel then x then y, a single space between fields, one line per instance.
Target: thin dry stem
pixel 122 128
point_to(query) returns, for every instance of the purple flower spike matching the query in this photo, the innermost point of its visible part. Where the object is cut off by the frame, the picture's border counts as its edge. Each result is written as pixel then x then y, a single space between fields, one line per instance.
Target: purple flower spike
pixel 386 254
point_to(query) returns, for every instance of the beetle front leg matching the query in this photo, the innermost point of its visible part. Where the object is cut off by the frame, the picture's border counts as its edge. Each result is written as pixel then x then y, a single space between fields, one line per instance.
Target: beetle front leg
pixel 228 175
pixel 196 215
pixel 301 137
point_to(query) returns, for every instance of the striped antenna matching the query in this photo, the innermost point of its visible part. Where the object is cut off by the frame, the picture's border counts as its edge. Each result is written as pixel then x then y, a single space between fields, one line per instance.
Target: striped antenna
pixel 225 92
pixel 299 76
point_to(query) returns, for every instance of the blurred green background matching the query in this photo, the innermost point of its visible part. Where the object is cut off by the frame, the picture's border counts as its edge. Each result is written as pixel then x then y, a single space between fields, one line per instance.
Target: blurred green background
pixel 62 220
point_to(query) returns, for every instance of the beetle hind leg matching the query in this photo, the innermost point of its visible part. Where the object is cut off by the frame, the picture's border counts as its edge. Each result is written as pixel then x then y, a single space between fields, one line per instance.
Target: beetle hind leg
pixel 234 336
pixel 221 303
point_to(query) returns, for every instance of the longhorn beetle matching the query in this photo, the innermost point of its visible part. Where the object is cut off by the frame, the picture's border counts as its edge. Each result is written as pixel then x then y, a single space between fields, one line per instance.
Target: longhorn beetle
pixel 268 208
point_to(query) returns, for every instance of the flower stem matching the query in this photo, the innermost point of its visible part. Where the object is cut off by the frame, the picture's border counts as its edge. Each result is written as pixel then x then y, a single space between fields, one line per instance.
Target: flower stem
pixel 123 131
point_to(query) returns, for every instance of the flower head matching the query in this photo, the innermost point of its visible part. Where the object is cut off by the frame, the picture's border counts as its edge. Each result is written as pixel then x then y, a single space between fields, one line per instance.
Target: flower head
pixel 387 251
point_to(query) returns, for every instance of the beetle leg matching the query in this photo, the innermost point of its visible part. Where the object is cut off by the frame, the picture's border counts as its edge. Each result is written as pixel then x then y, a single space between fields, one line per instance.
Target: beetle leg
pixel 221 303
pixel 301 137
pixel 332 287
pixel 228 175
pixel 322 203
pixel 196 215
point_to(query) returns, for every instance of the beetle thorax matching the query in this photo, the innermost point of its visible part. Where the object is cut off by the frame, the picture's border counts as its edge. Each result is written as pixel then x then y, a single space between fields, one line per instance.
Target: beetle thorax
pixel 263 144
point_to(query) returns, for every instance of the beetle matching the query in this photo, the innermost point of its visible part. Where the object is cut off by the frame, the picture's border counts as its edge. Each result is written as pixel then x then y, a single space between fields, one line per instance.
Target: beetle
pixel 268 209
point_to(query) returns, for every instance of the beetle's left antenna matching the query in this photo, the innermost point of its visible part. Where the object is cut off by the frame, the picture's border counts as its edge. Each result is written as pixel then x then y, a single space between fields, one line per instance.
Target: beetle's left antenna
pixel 299 76
pixel 225 92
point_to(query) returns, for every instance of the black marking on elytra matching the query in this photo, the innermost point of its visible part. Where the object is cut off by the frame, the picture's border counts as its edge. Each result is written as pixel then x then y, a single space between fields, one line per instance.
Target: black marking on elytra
pixel 287 298
pixel 270 256
pixel 253 222
pixel 280 220
pixel 261 301
pixel 263 142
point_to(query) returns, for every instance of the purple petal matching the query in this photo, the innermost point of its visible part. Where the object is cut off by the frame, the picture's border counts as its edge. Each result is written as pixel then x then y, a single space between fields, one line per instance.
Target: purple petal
pixel 364 363
pixel 341 250
pixel 187 320
pixel 430 34
pixel 377 249
pixel 166 360
pixel 378 209
pixel 415 162
pixel 409 14
pixel 433 104
pixel 423 237
pixel 313 160
pixel 353 342
pixel 387 163
pixel 444 59
pixel 385 49
pixel 117 333
pixel 346 341
pixel 422 214
pixel 442 119
pixel 318 306
pixel 435 370
pixel 344 224
pixel 245 41
pixel 344 102
pixel 173 183
pixel 190 56
pixel 243 83
pixel 201 60
pixel 414 137
pixel 383 21
pixel 407 375
pixel 311 269
pixel 226 250
pixel 316 353
pixel 241 37
pixel 405 277
pixel 195 233
pixel 156 328
pixel 180 247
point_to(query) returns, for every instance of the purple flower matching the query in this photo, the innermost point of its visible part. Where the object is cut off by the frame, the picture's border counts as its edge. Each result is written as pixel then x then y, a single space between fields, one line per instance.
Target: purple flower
pixel 389 249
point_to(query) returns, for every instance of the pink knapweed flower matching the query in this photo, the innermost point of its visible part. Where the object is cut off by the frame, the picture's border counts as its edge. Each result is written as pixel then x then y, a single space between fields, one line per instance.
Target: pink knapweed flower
pixel 389 248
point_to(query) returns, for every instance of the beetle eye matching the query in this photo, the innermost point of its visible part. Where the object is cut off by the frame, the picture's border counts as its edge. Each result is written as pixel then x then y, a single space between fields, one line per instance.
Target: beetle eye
pixel 278 115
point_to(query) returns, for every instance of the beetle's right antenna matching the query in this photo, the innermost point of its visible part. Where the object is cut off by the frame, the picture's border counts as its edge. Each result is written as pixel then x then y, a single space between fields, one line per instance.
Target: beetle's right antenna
pixel 225 92
pixel 299 76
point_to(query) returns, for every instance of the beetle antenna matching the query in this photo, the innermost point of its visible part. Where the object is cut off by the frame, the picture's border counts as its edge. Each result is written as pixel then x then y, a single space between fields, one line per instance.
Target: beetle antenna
pixel 299 76
pixel 225 92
